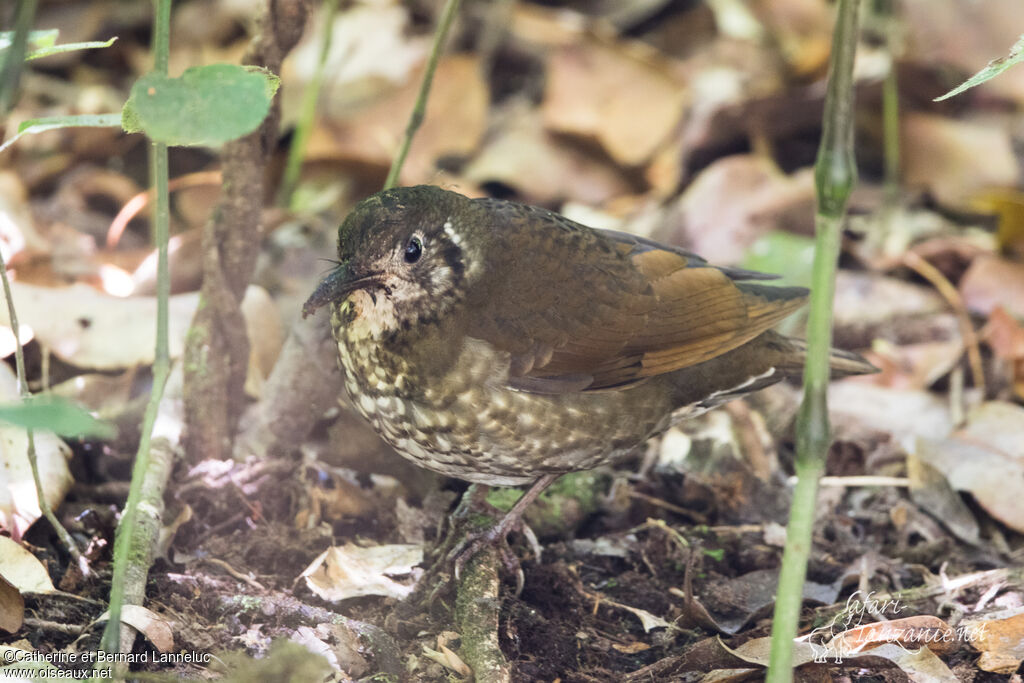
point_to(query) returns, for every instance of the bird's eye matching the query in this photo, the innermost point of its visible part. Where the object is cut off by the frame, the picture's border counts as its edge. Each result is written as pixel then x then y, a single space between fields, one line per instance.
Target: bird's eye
pixel 413 250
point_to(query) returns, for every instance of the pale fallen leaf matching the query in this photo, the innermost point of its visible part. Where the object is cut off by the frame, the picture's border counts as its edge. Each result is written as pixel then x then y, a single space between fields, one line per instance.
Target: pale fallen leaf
pixel 910 632
pixel 629 104
pixel 19 503
pixel 631 648
pixel 448 659
pixel 90 329
pixel 954 159
pixel 921 666
pixel 155 627
pixel 21 568
pixel 541 167
pixel 915 366
pixel 734 201
pixel 12 606
pixel 17 226
pixel 985 458
pixel 965 38
pixel 999 636
pixel 932 492
pixel 349 571
pixel 991 282
pixel 266 336
pixel 454 124
pixel 802 29
pixel 369 47
pixel 905 414
pixel 647 620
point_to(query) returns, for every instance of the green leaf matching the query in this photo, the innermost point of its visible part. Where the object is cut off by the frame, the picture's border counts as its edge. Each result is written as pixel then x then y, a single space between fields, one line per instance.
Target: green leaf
pixel 44 43
pixel 33 126
pixel 57 415
pixel 39 53
pixel 208 105
pixel 994 68
pixel 782 253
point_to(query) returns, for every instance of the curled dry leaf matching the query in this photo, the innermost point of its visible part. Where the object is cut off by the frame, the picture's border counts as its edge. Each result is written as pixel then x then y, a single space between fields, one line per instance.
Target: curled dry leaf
pixel 910 632
pixel 1000 638
pixel 21 568
pixel 448 659
pixel 349 571
pixel 156 628
pixel 12 606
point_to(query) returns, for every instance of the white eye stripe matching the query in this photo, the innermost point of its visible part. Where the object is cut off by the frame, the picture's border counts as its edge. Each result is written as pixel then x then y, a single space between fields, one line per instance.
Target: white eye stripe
pixel 449 229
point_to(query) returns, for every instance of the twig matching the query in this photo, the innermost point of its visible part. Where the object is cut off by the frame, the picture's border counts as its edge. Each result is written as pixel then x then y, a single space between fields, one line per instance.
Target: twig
pixel 420 108
pixel 952 296
pixel 53 626
pixel 297 151
pixel 235 573
pixel 865 480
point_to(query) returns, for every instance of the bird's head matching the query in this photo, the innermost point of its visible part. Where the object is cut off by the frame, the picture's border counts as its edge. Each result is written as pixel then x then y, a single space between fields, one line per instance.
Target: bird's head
pixel 403 258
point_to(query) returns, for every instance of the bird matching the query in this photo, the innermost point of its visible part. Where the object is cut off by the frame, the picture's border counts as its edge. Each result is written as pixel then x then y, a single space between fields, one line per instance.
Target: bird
pixel 504 344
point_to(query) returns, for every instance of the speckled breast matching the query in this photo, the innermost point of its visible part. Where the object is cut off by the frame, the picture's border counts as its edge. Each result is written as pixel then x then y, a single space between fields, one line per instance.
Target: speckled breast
pixel 467 424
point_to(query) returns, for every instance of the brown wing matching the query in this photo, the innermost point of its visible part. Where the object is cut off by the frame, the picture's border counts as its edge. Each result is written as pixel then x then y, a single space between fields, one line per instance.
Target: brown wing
pixel 593 309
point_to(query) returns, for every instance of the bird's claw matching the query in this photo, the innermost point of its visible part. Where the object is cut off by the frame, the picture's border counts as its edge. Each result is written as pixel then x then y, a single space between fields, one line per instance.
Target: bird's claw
pixel 495 537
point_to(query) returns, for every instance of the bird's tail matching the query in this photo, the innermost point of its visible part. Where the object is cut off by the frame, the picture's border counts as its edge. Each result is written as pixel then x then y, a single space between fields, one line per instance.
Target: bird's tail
pixel 842 363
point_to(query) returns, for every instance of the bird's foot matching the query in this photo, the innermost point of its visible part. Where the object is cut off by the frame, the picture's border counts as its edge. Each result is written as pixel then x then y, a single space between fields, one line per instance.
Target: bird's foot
pixel 466 538
pixel 496 537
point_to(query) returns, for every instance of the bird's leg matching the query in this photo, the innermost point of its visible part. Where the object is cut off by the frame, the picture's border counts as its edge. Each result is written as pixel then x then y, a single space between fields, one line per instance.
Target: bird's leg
pixel 499 532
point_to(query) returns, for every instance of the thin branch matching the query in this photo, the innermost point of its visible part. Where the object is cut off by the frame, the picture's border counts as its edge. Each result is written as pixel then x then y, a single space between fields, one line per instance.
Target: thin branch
pixel 297 151
pixel 420 108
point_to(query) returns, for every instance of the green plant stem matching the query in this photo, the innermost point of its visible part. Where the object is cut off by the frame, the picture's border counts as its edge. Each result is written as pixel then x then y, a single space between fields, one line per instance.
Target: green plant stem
pixel 33 458
pixel 835 175
pixel 14 61
pixel 128 547
pixel 297 151
pixel 891 118
pixel 161 35
pixel 420 108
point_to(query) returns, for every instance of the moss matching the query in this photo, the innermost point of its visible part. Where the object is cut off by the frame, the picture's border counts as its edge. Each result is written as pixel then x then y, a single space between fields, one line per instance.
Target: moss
pixel 247 603
pixel 476 613
pixel 566 504
pixel 504 498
